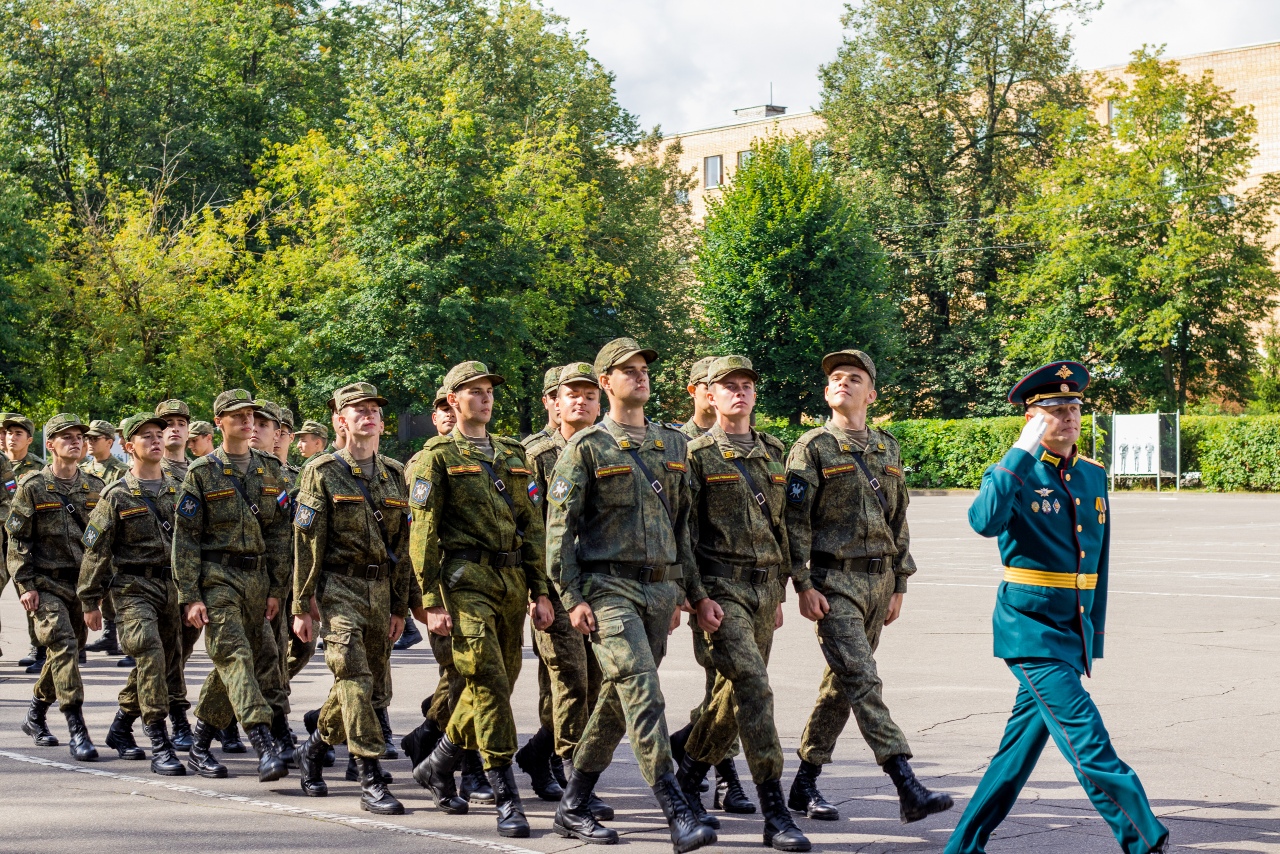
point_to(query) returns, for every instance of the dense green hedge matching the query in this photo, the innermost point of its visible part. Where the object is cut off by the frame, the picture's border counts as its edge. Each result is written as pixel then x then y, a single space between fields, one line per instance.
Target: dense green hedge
pixel 1233 453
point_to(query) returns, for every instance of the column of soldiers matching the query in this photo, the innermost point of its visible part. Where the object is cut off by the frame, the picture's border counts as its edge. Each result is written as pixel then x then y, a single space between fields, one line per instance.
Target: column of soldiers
pixel 601 531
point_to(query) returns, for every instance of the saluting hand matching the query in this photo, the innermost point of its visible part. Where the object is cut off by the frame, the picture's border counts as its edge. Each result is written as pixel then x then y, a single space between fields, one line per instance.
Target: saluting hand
pixel 1032 432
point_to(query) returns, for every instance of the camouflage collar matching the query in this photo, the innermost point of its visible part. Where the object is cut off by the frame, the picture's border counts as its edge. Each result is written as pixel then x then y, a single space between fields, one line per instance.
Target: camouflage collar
pixel 651 440
pixel 134 483
pixel 729 450
pixel 54 485
pixel 359 471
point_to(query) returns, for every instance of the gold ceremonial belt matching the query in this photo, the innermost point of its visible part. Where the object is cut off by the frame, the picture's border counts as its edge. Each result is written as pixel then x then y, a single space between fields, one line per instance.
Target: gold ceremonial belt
pixel 1040 578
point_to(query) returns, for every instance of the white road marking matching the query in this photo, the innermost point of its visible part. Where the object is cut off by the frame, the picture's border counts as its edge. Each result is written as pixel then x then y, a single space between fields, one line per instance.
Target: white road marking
pixel 336 818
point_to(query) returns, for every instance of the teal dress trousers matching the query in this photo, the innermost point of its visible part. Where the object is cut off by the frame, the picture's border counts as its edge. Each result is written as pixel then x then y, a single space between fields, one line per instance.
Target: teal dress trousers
pixel 1052 517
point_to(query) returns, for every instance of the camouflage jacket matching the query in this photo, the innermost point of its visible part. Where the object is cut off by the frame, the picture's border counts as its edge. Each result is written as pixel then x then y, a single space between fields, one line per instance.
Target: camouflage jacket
pixel 603 508
pixel 455 505
pixel 213 517
pixel 545 433
pixel 728 525
pixel 335 528
pixel 108 471
pixel 123 533
pixel 831 507
pixel 543 455
pixel 8 486
pixel 177 471
pixel 26 465
pixel 689 429
pixel 45 526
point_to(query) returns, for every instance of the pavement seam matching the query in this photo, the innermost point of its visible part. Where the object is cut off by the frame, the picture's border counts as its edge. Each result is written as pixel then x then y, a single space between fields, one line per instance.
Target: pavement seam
pixel 335 818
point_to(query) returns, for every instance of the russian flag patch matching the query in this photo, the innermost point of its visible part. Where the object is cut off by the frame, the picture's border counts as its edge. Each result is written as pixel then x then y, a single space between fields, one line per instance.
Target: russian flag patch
pixel 535 494
pixel 282 501
pixel 11 486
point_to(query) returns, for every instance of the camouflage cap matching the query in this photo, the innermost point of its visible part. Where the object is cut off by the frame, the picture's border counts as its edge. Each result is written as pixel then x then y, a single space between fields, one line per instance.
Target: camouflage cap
pixel 465 372
pixel 551 379
pixel 173 407
pixel 232 400
pixel 269 409
pixel 698 372
pixel 313 428
pixel 442 398
pixel 14 419
pixel 101 429
pixel 725 365
pixel 201 428
pixel 618 351
pixel 286 418
pixel 62 422
pixel 353 393
pixel 136 422
pixel 578 372
pixel 857 358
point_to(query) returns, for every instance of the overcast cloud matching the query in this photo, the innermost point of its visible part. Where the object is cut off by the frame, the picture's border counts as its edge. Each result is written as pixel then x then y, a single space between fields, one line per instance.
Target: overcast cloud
pixel 686 64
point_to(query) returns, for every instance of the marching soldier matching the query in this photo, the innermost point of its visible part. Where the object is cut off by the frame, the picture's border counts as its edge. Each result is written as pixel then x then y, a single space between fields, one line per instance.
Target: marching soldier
pixel 850 561
pixel 737 480
pixel 45 526
pixel 704 415
pixel 231 563
pixel 128 545
pixel 8 486
pixel 1048 506
pixel 618 545
pixel 477 546
pixel 19 432
pixel 200 439
pixel 351 549
pixel 177 432
pixel 100 463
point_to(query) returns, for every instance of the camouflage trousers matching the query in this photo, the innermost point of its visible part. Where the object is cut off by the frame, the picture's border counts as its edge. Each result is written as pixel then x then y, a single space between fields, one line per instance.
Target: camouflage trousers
pixel 487 606
pixel 244 684
pixel 58 625
pixel 572 680
pixel 294 654
pixel 742 701
pixel 849 635
pixel 357 619
pixel 702 655
pixel 449 687
pixel 149 624
pixel 632 619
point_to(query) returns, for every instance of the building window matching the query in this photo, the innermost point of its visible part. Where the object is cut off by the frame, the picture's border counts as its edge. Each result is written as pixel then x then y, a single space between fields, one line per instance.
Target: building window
pixel 744 157
pixel 712 171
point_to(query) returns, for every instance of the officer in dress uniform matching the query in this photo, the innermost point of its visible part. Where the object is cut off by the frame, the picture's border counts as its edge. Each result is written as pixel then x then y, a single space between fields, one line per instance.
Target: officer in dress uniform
pixel 1047 504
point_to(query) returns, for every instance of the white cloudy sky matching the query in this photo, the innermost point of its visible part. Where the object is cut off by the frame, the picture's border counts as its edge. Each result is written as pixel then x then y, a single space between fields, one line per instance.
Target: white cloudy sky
pixel 685 64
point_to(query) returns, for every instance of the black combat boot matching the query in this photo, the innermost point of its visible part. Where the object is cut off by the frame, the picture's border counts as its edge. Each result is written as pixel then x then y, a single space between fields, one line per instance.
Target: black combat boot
pixel 780 829
pixel 163 760
pixel 127 661
pixel 82 749
pixel 729 794
pixel 915 801
pixel 557 770
pixel 286 741
pixel 200 760
pixel 374 796
pixel 120 737
pixel 37 663
pixel 534 759
pixel 506 797
pixel 109 642
pixel 384 720
pixel 309 767
pixel 687 833
pixel 574 818
pixel 678 740
pixel 36 725
pixel 354 772
pixel 230 738
pixel 473 785
pixel 30 658
pixel 311 720
pixel 805 796
pixel 436 773
pixel 270 766
pixel 690 777
pixel 182 737
pixel 419 743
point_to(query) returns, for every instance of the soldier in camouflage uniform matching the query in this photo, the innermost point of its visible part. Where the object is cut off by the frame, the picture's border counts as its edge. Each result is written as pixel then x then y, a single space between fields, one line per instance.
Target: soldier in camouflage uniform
pixel 8 486
pixel 550 381
pixel 618 545
pixel 847 524
pixel 738 482
pixel 45 526
pixel 19 432
pixel 101 464
pixel 231 562
pixel 200 439
pixel 573 672
pixel 311 440
pixel 477 546
pixel 129 547
pixel 351 553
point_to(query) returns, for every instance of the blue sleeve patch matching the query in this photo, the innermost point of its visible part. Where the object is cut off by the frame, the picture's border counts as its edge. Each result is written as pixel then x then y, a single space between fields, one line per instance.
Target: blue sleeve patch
pixel 90 537
pixel 304 516
pixel 421 489
pixel 797 489
pixel 14 524
pixel 188 506
pixel 560 490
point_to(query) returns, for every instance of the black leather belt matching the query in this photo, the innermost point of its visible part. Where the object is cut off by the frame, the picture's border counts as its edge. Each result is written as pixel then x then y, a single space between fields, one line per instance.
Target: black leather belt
pixel 738 573
pixel 484 557
pixel 632 572
pixel 367 571
pixel 145 571
pixel 227 559
pixel 829 562
pixel 69 573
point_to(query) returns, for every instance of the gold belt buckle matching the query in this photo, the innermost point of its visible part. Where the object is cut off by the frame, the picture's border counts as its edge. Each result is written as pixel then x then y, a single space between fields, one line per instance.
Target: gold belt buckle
pixel 1080 581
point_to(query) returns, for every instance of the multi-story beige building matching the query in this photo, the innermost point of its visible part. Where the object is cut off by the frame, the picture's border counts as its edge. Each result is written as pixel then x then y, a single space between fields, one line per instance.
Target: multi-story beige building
pixel 1252 73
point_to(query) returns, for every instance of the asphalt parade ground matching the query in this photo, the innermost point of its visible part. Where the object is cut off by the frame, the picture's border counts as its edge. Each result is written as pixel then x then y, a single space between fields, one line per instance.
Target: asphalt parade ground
pixel 1190 691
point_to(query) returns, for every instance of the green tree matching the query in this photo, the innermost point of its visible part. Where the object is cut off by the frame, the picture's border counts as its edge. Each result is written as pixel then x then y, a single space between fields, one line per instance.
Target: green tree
pixel 1149 262
pixel 21 248
pixel 789 271
pixel 931 104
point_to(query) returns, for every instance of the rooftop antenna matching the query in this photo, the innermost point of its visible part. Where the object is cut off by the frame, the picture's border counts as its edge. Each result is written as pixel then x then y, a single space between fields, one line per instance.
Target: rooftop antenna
pixel 770 91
